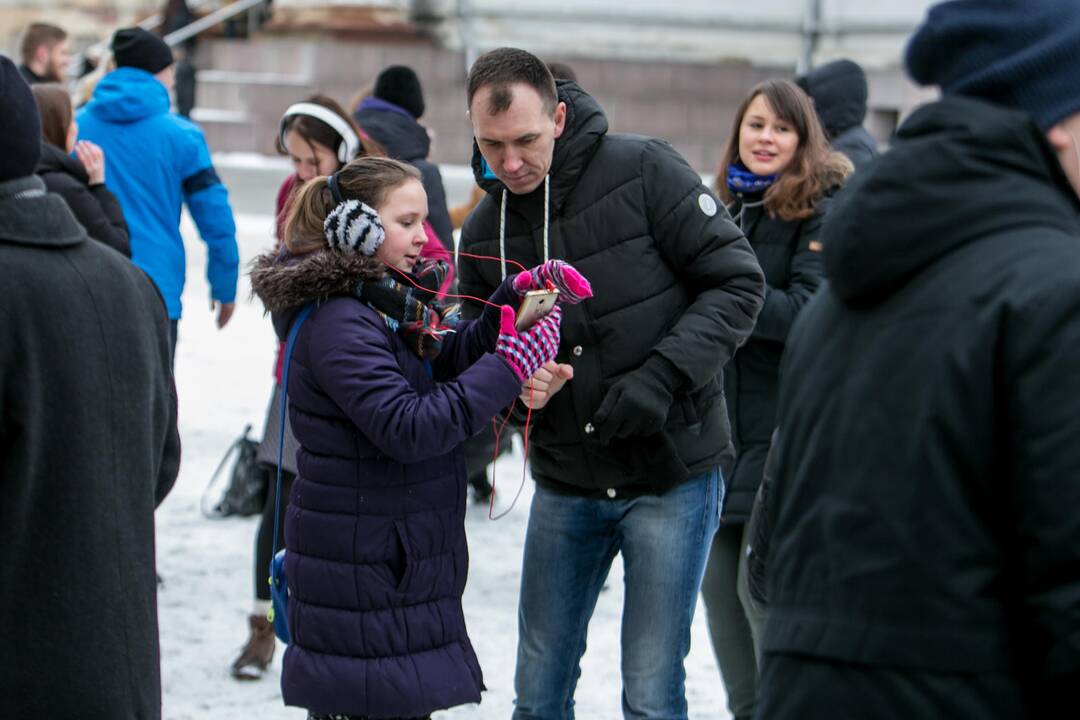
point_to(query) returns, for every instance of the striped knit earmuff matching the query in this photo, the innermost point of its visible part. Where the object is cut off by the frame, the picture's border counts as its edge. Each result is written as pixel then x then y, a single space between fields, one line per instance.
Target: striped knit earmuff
pixel 352 226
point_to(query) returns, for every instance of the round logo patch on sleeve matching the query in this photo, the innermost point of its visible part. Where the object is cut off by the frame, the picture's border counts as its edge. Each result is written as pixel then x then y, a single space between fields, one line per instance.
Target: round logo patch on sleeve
pixel 707 204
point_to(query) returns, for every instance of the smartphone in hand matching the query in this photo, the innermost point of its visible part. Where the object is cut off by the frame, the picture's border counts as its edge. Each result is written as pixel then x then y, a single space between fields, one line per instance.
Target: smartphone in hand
pixel 535 305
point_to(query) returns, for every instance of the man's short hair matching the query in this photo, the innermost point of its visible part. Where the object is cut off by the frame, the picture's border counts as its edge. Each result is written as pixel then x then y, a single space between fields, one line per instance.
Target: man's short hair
pixel 504 67
pixel 39 34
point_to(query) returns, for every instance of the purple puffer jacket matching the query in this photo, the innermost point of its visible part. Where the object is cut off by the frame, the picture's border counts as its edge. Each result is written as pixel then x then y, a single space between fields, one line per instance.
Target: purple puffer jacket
pixel 375 533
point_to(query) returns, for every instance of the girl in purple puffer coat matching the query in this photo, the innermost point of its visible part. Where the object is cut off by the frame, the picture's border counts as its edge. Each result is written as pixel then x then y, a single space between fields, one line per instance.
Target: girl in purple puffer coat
pixel 384 387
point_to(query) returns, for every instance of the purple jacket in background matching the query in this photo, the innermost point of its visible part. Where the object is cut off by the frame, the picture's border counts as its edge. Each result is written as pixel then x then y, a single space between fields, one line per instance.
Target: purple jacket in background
pixel 377 557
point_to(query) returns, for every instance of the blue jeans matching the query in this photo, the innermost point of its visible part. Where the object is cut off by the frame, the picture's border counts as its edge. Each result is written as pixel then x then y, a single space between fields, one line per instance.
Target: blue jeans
pixel 569 546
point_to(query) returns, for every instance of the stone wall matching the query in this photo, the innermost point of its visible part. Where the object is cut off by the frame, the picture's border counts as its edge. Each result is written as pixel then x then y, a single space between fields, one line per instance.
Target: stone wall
pixel 690 104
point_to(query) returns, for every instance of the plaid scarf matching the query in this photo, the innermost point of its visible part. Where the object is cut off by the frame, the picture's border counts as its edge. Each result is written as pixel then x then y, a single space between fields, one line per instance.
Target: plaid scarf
pixel 414 311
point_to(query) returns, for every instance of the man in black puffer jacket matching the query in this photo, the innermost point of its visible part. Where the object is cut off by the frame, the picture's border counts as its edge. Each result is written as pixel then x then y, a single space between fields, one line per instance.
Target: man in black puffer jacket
pixel 839 92
pixel 626 456
pixel 925 558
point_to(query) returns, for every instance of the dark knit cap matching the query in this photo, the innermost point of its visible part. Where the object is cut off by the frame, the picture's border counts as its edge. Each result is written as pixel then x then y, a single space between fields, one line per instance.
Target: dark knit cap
pixel 398 84
pixel 20 124
pixel 137 48
pixel 1022 54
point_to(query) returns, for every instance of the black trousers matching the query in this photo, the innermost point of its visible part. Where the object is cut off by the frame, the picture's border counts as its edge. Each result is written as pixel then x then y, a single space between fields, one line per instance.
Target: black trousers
pixel 172 341
pixel 264 539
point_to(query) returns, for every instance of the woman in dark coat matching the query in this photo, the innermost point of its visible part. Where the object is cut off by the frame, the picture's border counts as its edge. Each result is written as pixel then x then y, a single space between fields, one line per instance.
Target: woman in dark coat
pixel 384 387
pixel 776 174
pixel 81 182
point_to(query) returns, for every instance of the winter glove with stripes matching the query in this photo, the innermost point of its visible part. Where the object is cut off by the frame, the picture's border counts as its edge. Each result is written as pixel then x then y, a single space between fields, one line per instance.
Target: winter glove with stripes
pixel 557 275
pixel 526 351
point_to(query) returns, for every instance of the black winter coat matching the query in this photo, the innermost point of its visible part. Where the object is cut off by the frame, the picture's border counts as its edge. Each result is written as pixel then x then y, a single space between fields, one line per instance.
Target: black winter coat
pixel 674 281
pixel 88 449
pixel 94 206
pixel 405 139
pixel 789 253
pixel 928 473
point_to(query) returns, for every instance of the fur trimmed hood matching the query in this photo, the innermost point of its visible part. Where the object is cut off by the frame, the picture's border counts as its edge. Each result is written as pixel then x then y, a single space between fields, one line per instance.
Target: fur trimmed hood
pixel 283 281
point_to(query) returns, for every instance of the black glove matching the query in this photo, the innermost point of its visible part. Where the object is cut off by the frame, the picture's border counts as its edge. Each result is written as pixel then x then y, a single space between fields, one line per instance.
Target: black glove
pixel 638 403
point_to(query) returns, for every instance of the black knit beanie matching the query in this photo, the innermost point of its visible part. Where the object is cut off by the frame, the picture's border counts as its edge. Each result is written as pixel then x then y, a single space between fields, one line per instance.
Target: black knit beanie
pixel 1022 54
pixel 398 84
pixel 137 48
pixel 20 124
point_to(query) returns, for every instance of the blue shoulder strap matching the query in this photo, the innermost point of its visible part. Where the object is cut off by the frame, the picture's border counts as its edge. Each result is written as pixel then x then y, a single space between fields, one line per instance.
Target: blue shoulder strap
pixel 300 318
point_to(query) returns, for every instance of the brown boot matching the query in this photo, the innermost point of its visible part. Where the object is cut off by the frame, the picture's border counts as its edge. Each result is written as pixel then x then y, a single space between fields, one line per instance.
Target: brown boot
pixel 258 652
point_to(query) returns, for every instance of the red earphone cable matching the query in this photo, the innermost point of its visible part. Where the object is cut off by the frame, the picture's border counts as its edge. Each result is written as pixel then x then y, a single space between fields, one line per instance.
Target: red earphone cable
pixel 498 431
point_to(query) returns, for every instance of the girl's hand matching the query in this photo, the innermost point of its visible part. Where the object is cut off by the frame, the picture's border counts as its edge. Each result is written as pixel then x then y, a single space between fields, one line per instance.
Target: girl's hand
pixel 527 351
pixel 93 159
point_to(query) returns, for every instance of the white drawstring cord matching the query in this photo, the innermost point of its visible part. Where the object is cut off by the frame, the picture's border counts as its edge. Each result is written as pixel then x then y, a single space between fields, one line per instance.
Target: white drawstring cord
pixel 547 212
pixel 502 234
pixel 502 224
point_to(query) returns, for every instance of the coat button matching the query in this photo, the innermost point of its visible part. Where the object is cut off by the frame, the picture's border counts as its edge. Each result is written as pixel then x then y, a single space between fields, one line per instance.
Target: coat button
pixel 611 492
pixel 577 351
pixel 589 428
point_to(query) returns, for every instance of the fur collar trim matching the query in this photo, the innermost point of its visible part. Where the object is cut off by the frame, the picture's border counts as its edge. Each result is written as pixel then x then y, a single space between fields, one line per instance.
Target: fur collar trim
pixel 283 281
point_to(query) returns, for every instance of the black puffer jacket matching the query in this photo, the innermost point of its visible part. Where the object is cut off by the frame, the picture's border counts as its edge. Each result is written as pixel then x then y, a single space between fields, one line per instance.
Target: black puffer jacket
pixel 839 92
pixel 928 478
pixel 94 206
pixel 405 139
pixel 672 276
pixel 789 253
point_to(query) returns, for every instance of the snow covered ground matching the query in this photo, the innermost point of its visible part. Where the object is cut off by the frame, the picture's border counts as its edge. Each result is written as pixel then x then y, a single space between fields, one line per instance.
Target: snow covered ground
pixel 223 380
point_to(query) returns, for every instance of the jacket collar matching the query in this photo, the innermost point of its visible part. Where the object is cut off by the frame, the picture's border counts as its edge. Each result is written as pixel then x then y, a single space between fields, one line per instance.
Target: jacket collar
pixel 29 215
pixel 285 282
pixel 54 159
pixel 373 103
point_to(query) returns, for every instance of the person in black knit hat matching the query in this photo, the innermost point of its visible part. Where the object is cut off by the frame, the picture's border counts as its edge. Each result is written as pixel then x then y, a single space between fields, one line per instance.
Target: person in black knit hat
pixel 398 84
pixel 137 48
pixel 159 162
pixel 925 555
pixel 839 91
pixel 90 448
pixel 389 117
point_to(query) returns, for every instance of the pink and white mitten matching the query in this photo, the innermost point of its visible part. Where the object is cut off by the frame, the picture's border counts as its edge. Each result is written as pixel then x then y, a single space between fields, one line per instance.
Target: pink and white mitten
pixel 556 274
pixel 526 351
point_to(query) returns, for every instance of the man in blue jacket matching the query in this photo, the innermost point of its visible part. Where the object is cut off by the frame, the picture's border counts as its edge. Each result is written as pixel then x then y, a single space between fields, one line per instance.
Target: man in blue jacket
pixel 157 162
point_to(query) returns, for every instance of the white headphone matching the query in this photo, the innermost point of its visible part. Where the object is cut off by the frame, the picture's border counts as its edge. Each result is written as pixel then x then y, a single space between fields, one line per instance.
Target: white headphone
pixel 349 146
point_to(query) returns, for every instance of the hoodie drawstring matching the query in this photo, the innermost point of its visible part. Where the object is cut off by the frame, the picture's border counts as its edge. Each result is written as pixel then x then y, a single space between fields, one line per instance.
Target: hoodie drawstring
pixel 738 217
pixel 502 224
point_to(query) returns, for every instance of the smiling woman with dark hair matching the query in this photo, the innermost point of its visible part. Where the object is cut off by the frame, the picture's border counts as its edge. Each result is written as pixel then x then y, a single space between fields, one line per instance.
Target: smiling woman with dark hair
pixel 776 175
pixel 79 180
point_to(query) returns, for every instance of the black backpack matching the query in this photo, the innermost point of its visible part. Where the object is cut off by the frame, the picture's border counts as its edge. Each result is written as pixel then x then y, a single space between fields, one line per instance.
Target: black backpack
pixel 248 482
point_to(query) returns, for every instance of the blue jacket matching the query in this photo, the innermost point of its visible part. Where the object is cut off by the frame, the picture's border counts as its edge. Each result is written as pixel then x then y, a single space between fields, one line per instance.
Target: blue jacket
pixel 155 162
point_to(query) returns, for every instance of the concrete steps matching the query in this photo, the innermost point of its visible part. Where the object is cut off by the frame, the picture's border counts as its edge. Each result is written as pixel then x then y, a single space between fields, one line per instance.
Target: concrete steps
pixel 238 109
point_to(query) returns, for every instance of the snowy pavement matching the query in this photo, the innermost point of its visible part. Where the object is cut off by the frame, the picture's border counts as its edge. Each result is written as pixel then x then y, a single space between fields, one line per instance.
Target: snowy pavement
pixel 223 381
